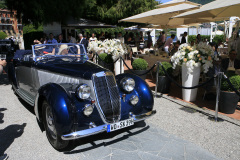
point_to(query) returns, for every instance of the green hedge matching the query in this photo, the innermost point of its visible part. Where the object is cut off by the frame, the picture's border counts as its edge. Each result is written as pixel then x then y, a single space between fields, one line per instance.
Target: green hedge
pixel 216 39
pixel 3 35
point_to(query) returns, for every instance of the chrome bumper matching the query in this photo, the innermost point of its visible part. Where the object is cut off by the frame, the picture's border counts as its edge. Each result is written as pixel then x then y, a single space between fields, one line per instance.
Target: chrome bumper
pixel 103 128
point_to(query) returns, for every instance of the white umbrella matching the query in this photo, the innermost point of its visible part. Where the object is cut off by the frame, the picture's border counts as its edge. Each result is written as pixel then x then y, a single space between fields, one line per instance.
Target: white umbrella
pixel 218 9
pixel 161 16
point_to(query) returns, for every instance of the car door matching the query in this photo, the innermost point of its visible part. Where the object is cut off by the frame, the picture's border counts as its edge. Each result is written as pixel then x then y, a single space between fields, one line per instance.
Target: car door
pixel 24 76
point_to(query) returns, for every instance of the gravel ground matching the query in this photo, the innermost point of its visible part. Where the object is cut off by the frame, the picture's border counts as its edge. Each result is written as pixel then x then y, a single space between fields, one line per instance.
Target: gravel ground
pixel 195 125
pixel 176 117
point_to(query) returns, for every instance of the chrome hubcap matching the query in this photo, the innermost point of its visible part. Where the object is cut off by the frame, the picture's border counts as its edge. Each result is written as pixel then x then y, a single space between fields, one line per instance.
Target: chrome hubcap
pixel 50 123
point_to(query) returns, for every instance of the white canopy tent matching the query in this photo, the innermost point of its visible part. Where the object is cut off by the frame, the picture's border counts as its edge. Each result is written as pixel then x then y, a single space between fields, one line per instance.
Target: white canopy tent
pixel 218 9
pixel 161 16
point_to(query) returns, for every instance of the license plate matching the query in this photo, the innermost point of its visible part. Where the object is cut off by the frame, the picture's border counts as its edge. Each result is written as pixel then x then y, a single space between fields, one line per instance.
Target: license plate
pixel 120 125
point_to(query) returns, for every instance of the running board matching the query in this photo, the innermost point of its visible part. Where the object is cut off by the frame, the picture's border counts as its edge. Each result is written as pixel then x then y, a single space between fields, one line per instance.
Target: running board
pixel 25 97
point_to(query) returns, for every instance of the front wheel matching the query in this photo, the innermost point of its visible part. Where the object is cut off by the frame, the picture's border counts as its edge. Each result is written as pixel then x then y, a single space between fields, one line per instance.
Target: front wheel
pixel 49 124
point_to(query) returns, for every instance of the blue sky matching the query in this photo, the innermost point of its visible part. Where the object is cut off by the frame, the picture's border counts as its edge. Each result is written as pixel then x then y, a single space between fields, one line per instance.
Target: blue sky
pixel 164 1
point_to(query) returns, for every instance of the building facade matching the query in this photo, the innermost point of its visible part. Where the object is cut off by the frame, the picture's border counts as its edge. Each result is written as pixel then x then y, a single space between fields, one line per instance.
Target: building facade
pixel 9 23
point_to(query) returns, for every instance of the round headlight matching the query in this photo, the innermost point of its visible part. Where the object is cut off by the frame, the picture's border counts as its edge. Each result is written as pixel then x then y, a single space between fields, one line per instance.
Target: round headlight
pixel 88 109
pixel 84 91
pixel 134 100
pixel 128 84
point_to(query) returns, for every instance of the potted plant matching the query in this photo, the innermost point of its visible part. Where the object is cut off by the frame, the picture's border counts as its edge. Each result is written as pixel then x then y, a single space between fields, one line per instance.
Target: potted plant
pixel 164 82
pixel 140 67
pixel 192 59
pixel 228 98
pixel 106 61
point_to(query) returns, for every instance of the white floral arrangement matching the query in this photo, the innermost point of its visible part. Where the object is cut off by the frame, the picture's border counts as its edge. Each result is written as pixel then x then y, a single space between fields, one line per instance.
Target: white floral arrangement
pixel 109 46
pixel 196 56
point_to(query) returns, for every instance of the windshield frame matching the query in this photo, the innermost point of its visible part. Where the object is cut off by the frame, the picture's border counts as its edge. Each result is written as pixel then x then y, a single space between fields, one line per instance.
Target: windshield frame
pixel 37 58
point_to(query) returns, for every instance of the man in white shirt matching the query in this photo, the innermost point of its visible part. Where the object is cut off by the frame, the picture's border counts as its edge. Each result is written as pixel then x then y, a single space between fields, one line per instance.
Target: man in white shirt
pixel 51 39
pixel 120 37
pixel 83 41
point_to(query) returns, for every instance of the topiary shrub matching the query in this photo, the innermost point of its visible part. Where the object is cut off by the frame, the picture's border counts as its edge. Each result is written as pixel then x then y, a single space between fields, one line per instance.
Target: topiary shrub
pixel 139 64
pixel 3 35
pixel 103 56
pixel 235 80
pixel 107 58
pixel 168 68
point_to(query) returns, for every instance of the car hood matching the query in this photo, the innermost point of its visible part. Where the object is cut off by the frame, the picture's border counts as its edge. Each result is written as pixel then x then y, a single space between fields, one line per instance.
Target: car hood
pixel 74 69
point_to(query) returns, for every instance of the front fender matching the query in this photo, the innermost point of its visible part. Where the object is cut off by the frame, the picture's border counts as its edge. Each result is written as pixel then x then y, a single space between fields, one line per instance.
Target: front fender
pixel 142 90
pixel 62 107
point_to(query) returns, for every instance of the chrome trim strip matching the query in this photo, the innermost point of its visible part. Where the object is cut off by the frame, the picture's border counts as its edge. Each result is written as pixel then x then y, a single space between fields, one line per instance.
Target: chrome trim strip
pixel 97 104
pixel 119 116
pixel 103 128
pixel 25 97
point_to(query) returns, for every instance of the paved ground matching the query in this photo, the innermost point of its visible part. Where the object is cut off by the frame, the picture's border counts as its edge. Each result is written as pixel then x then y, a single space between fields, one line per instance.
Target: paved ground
pixel 176 132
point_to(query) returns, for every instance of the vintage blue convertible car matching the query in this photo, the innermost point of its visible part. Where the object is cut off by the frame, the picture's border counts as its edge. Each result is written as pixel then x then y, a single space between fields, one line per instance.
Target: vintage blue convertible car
pixel 74 97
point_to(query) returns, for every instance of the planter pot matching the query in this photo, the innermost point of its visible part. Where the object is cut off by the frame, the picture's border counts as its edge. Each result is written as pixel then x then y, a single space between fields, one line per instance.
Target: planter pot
pixel 190 80
pixel 107 66
pixel 117 67
pixel 163 84
pixel 141 72
pixel 228 102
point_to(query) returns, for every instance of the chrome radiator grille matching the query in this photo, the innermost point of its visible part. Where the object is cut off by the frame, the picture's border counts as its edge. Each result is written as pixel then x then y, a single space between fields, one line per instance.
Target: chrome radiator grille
pixel 108 96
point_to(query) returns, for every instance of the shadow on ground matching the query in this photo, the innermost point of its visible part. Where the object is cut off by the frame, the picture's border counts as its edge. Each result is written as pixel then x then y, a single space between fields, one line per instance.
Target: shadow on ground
pixel 9 134
pixel 4 79
pixel 111 138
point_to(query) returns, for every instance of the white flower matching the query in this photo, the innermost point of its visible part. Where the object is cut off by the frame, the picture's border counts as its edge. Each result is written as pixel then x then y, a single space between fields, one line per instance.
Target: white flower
pixel 198 56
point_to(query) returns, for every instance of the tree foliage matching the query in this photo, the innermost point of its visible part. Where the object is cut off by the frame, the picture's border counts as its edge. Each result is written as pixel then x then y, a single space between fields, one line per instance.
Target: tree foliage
pixel 48 11
pixel 110 11
pixel 3 35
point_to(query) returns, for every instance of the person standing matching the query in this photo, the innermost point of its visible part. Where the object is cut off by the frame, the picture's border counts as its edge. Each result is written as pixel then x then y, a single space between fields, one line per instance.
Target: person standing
pixel 120 37
pixel 141 41
pixel 161 40
pixel 3 63
pixel 149 41
pixel 102 37
pixel 93 38
pixel 60 39
pixel 231 61
pixel 71 39
pixel 83 41
pixel 184 38
pixel 169 43
pixel 51 39
pixel 198 39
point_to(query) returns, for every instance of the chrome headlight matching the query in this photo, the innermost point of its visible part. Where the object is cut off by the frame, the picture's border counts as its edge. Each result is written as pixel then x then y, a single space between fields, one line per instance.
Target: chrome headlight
pixel 128 84
pixel 134 100
pixel 84 91
pixel 88 109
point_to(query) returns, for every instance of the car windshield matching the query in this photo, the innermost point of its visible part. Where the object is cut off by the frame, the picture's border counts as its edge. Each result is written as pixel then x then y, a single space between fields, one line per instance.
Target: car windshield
pixel 59 50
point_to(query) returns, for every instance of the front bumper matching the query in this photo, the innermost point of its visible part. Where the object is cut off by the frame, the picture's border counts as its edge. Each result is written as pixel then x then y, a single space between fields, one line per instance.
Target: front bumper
pixel 103 128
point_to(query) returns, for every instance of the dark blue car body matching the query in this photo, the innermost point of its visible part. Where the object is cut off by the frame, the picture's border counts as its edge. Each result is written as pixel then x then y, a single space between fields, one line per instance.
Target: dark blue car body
pixel 55 80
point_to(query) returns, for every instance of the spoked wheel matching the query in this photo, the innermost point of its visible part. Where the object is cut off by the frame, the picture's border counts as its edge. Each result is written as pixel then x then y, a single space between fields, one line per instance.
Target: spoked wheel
pixel 49 124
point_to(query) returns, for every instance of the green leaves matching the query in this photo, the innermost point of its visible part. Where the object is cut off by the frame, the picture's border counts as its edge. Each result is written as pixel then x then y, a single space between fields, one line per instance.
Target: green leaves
pixel 107 11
